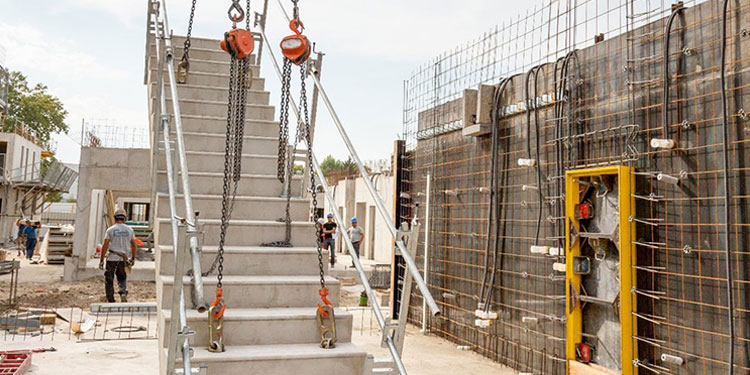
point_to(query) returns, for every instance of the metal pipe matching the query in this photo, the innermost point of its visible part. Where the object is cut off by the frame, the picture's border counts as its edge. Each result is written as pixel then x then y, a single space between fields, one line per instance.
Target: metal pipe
pixel 378 201
pixel 426 247
pixel 187 197
pixel 164 122
pixel 360 271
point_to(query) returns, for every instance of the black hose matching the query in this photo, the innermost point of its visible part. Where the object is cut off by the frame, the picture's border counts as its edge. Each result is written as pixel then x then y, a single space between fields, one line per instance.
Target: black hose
pixel 727 226
pixel 665 64
pixel 499 246
pixel 493 184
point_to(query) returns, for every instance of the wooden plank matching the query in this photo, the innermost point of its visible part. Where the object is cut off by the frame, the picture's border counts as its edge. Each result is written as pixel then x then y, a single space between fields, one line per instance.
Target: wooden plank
pixel 578 368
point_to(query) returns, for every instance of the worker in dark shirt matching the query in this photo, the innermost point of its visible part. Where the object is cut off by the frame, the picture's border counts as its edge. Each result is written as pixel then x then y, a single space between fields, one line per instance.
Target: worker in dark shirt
pixel 21 236
pixel 329 243
pixel 30 232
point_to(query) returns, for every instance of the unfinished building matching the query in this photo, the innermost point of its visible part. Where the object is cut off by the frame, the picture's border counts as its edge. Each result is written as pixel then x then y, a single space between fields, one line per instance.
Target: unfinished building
pixel 571 168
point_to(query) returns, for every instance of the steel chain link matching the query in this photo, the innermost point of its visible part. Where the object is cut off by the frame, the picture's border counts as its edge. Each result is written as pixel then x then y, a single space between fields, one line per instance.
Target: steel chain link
pixel 284 118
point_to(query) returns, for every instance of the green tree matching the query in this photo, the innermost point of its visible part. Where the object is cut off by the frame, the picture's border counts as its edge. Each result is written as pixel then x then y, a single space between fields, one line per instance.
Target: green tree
pixel 53 196
pixel 71 200
pixel 329 165
pixel 299 169
pixel 41 112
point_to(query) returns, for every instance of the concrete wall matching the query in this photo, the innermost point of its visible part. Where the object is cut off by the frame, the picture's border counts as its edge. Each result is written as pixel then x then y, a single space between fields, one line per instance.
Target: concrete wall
pixel 354 200
pixel 125 171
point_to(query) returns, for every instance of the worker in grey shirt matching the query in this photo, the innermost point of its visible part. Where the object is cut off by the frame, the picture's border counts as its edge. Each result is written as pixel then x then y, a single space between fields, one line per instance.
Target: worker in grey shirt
pixel 119 239
pixel 355 234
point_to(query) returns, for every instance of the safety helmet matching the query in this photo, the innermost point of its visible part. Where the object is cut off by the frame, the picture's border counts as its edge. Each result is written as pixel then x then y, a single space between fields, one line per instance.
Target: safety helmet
pixel 330 215
pixel 120 214
pixel 354 220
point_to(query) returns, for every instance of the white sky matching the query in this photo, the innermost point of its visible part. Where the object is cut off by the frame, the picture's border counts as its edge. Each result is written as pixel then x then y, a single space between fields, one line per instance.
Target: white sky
pixel 91 54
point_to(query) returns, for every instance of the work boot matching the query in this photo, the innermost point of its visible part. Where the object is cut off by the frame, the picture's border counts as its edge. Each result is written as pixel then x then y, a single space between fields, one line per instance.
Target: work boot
pixel 123 298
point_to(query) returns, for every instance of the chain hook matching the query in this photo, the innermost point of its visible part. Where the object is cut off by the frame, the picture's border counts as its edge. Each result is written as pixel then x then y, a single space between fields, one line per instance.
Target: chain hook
pixel 216 323
pixel 295 24
pixel 238 8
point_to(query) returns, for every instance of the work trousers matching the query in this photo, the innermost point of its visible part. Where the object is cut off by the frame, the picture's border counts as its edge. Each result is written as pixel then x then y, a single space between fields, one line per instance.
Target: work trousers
pixel 355 245
pixel 115 268
pixel 30 247
pixel 330 245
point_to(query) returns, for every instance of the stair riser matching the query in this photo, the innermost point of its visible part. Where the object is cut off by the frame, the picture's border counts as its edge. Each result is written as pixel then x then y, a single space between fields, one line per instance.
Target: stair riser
pixel 210 208
pixel 212 93
pixel 198 124
pixel 266 331
pixel 261 295
pixel 259 264
pixel 344 365
pixel 211 53
pixel 207 66
pixel 179 41
pixel 215 163
pixel 214 109
pixel 254 186
pixel 216 143
pixel 246 235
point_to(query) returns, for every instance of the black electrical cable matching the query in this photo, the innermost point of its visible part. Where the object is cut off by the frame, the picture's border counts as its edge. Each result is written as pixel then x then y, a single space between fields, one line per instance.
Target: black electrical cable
pixel 493 190
pixel 533 106
pixel 727 225
pixel 665 63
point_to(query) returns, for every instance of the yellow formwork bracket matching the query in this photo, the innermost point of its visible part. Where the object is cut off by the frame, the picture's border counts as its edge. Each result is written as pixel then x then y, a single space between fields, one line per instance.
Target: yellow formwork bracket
pixel 627 302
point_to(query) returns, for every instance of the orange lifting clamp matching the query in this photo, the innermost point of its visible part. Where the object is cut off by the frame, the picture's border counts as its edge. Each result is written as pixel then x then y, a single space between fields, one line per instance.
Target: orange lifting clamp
pixel 238 43
pixel 326 321
pixel 216 323
pixel 296 47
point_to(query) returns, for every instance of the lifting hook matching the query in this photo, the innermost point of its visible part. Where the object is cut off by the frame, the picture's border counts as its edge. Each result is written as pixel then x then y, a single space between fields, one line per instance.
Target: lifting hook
pixel 216 323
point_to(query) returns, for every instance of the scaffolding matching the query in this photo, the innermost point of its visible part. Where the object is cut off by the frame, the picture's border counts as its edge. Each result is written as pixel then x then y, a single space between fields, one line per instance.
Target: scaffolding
pixel 581 84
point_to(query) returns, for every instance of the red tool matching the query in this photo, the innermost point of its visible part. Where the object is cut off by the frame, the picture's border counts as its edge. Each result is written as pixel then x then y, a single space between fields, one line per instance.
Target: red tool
pixel 296 47
pixel 584 210
pixel 583 352
pixel 238 43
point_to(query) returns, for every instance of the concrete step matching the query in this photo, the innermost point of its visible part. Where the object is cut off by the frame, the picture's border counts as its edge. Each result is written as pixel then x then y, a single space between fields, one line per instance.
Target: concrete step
pixel 344 359
pixel 215 142
pixel 213 93
pixel 246 207
pixel 197 42
pixel 218 125
pixel 256 291
pixel 267 326
pixel 207 66
pixel 210 52
pixel 264 185
pixel 205 161
pixel 219 109
pixel 253 260
pixel 245 232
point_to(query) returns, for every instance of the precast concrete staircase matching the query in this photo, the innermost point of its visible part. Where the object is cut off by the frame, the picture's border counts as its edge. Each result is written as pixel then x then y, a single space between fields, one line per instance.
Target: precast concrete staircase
pixel 270 325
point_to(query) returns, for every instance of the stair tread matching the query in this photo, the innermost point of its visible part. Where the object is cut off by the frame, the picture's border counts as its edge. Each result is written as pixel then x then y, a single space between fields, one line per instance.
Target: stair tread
pixel 267 279
pixel 209 87
pixel 222 102
pixel 252 249
pixel 221 174
pixel 279 313
pixel 239 197
pixel 235 353
pixel 244 222
pixel 223 135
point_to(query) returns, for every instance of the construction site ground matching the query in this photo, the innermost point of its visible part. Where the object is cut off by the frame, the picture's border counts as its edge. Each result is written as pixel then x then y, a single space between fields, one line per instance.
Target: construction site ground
pixel 41 286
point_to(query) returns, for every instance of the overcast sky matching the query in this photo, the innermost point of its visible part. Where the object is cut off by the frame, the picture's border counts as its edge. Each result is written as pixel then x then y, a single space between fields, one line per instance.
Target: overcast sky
pixel 91 54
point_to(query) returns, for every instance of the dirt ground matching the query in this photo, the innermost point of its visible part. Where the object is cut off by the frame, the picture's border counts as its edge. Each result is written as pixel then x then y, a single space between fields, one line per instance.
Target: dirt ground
pixel 41 286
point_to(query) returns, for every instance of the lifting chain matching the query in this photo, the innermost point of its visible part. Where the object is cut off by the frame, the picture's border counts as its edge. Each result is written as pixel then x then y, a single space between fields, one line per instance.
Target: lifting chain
pixel 183 68
pixel 236 107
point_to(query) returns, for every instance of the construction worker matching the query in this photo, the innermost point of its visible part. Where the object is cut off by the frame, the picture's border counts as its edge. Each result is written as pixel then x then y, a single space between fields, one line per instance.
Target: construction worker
pixel 21 236
pixel 329 243
pixel 29 231
pixel 119 239
pixel 355 234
